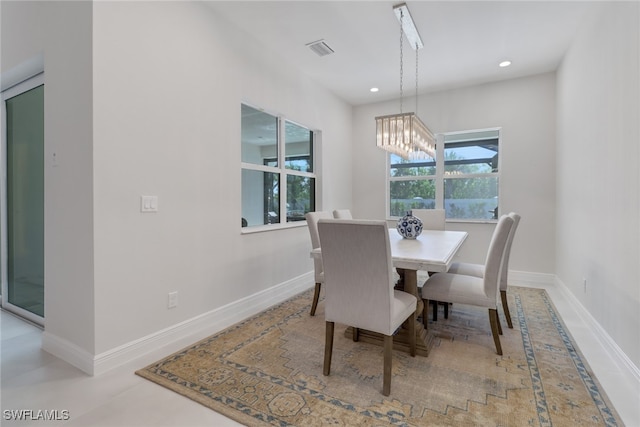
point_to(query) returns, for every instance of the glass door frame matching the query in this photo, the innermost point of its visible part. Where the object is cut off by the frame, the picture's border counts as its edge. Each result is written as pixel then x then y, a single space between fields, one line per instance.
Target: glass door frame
pixel 15 90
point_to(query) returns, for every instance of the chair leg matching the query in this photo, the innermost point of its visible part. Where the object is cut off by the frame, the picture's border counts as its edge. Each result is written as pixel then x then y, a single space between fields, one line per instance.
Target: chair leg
pixel 356 334
pixel 388 347
pixel 435 309
pixel 425 313
pixel 493 319
pixel 328 347
pixel 505 308
pixel 499 323
pixel 316 297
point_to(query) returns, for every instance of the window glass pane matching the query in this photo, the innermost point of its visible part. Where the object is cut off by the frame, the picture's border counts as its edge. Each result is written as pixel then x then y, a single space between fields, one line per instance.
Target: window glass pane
pixel 415 194
pixel 300 197
pixel 260 198
pixel 471 198
pixel 25 200
pixel 419 167
pixel 275 150
pixel 298 149
pixel 259 136
pixel 473 152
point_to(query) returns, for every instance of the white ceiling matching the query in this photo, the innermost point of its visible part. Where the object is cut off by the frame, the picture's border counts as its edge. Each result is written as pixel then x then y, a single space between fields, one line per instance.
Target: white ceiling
pixel 464 40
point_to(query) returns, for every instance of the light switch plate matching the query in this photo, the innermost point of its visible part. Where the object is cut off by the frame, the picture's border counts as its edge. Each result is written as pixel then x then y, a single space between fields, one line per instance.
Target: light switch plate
pixel 148 204
pixel 172 301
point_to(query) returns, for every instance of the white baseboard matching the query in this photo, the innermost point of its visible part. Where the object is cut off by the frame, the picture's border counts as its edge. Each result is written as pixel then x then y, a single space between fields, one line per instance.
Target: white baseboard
pixel 192 329
pixel 67 351
pixel 615 353
pixel 526 278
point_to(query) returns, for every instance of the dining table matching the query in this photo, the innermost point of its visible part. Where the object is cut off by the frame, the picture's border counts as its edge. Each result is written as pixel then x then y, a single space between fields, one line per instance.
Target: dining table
pixel 432 251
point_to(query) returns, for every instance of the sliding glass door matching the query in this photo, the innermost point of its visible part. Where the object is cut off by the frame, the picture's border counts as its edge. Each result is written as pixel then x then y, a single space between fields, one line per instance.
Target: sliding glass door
pixel 23 200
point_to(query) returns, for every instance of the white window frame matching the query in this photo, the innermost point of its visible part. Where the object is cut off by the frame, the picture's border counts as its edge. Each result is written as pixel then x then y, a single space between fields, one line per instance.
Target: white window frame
pixel 440 176
pixel 283 172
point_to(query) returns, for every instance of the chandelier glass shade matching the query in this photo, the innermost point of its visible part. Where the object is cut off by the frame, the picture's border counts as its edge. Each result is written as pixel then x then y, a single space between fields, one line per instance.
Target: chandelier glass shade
pixel 405 135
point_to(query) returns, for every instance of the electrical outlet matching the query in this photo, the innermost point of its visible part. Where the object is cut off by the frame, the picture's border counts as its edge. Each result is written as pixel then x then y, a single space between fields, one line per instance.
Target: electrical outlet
pixel 584 285
pixel 172 300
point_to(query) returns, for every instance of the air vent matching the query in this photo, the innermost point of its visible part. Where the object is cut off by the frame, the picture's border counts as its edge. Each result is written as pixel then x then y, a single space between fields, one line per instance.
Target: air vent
pixel 320 47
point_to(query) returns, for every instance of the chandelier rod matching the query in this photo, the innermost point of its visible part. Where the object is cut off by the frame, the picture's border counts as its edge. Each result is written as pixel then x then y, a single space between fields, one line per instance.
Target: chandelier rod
pixel 417 50
pixel 401 58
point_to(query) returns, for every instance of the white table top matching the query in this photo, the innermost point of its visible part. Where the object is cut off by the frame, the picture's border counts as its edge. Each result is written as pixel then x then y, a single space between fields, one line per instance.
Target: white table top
pixel 433 250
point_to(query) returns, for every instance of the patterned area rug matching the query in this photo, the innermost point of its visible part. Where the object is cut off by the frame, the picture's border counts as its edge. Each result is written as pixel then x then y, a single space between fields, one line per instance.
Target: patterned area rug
pixel 267 370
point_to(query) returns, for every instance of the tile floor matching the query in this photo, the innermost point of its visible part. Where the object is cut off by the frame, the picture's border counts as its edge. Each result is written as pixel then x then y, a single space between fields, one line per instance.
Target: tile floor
pixel 34 379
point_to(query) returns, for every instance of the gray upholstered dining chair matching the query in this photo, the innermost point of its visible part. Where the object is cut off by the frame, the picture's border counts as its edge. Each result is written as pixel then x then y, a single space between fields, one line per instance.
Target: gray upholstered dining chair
pixel 477 270
pixel 342 214
pixel 358 273
pixel 470 290
pixel 312 222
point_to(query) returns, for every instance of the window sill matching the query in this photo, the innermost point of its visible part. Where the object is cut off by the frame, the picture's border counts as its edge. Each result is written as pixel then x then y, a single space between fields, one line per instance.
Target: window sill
pixel 272 227
pixel 473 221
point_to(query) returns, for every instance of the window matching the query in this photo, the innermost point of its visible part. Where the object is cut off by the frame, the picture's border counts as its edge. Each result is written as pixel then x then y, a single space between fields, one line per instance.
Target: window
pixel 463 179
pixel 278 169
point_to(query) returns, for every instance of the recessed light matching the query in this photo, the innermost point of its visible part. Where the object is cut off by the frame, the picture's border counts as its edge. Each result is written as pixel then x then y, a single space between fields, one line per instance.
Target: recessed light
pixel 505 64
pixel 374 89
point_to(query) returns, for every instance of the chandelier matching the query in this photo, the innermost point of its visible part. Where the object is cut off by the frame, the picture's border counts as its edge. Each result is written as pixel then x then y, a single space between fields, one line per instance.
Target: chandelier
pixel 404 134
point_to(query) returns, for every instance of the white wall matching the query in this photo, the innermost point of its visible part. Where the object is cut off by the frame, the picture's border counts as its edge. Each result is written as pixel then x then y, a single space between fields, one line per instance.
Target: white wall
pixel 143 98
pixel 598 183
pixel 168 85
pixel 61 34
pixel 525 110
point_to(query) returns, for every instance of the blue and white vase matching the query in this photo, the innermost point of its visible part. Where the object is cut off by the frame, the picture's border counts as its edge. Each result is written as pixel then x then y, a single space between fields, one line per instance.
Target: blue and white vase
pixel 409 226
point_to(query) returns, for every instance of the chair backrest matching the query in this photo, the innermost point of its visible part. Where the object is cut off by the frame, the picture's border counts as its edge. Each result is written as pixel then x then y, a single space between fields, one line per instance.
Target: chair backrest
pixel 358 273
pixel 342 214
pixel 432 219
pixel 507 252
pixel 493 263
pixel 312 223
